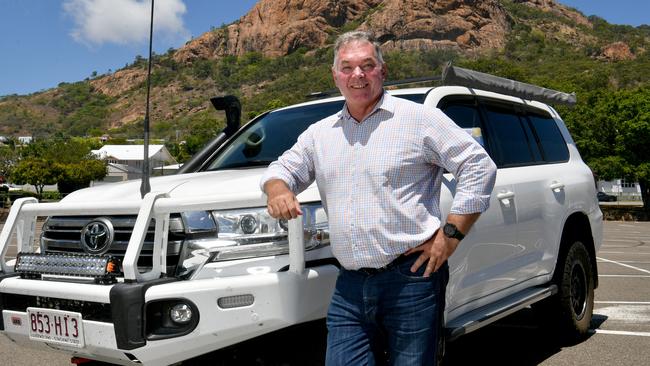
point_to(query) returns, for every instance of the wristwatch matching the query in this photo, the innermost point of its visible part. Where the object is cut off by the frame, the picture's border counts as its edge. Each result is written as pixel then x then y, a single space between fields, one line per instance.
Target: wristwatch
pixel 451 231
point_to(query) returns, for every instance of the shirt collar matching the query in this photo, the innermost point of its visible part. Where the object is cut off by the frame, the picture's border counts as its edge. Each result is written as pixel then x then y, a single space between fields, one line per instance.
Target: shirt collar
pixel 386 103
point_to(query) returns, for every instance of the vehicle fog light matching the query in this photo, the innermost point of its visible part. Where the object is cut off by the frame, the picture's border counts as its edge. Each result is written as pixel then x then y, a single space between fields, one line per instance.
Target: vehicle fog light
pixel 248 224
pixel 181 313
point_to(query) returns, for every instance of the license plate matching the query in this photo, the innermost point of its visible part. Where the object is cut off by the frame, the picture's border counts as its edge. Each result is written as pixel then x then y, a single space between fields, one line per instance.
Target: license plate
pixel 55 326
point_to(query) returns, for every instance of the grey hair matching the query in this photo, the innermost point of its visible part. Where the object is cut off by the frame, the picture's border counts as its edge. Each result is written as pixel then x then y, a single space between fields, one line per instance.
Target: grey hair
pixel 356 36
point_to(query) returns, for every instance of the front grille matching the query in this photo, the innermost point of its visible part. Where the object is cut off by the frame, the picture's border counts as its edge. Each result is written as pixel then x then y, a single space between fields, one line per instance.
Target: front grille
pixel 62 234
pixel 89 310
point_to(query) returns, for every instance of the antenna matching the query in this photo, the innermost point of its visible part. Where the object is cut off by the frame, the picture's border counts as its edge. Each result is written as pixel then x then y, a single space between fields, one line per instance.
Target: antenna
pixel 145 187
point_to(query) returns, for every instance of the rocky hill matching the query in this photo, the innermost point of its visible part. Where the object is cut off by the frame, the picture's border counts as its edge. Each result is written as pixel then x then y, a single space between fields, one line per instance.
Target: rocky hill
pixel 277 28
pixel 253 56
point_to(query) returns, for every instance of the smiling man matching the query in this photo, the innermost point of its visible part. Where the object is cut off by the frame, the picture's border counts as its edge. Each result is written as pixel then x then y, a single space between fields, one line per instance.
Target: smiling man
pixel 378 164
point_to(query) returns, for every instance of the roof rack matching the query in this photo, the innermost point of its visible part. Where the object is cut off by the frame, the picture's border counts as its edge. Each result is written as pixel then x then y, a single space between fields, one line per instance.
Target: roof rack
pixel 458 76
pixel 335 91
pixel 452 75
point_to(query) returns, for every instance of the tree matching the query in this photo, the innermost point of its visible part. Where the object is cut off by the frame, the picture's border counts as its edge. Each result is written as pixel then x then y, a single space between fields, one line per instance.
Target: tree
pixel 67 162
pixel 78 175
pixel 8 158
pixel 37 172
pixel 612 132
pixel 633 140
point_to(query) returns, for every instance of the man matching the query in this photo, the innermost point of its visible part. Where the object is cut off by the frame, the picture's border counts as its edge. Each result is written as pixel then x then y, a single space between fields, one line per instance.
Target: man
pixel 378 164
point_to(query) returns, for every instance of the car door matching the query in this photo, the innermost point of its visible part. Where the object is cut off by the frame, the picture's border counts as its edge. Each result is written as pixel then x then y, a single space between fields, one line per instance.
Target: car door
pixel 537 192
pixel 541 195
pixel 479 266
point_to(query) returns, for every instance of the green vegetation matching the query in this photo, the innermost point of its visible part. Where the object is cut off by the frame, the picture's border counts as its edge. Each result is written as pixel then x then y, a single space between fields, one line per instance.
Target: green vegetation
pixel 82 109
pixel 612 132
pixel 609 123
pixel 63 161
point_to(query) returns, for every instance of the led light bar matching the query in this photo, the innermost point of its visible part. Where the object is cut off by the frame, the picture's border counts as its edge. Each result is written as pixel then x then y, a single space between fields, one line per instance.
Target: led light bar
pixel 100 267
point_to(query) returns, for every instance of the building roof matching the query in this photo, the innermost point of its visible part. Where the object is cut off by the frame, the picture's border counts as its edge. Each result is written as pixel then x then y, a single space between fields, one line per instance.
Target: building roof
pixel 127 152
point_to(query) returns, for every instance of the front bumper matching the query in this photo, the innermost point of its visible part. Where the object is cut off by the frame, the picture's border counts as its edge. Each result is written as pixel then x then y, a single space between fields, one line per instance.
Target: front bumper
pixel 281 299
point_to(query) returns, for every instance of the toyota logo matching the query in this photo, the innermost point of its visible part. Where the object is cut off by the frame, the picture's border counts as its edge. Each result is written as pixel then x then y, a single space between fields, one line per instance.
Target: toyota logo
pixel 97 236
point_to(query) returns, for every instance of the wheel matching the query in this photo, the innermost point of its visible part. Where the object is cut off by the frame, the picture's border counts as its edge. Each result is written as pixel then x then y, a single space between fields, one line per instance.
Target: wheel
pixel 569 311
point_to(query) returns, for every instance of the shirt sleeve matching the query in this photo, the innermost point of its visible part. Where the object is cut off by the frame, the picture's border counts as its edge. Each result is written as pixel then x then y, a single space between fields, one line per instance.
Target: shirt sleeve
pixel 447 145
pixel 296 165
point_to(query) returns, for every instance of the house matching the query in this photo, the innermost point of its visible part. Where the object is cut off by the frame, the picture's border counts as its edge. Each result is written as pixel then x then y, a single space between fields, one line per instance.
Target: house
pixel 624 190
pixel 167 169
pixel 125 161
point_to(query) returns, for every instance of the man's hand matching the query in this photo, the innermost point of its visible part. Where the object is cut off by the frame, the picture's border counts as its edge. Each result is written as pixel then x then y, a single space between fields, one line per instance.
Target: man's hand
pixel 435 250
pixel 281 202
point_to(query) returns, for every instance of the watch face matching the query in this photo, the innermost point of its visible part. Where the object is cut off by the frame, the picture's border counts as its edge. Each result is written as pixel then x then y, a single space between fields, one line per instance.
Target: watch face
pixel 449 230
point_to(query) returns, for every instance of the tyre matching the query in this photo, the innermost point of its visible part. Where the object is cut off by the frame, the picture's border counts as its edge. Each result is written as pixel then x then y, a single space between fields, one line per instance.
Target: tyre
pixel 569 312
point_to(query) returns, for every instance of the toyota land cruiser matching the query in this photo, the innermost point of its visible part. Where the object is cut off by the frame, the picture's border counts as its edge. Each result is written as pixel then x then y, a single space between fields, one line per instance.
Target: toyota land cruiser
pixel 198 264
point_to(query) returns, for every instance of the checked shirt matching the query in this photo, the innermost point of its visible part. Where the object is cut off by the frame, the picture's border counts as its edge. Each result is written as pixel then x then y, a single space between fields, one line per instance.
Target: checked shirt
pixel 380 179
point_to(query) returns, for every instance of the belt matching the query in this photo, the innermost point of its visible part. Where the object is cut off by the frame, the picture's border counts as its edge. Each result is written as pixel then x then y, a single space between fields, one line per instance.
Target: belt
pixel 396 262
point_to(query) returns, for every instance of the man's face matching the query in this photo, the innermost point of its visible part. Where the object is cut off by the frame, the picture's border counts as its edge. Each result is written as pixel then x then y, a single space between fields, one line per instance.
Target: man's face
pixel 359 75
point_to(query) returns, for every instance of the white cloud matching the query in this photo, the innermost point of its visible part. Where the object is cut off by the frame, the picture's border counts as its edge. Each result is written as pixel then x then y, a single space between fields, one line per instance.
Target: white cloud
pixel 125 21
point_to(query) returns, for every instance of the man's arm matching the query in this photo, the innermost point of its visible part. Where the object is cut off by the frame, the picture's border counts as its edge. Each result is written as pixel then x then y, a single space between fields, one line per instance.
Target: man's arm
pixel 281 202
pixel 454 149
pixel 288 176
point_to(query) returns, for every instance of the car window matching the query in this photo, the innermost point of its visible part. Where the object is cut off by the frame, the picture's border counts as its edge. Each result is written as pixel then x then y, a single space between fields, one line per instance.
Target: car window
pixel 266 139
pixel 550 138
pixel 417 98
pixel 511 144
pixel 263 141
pixel 467 117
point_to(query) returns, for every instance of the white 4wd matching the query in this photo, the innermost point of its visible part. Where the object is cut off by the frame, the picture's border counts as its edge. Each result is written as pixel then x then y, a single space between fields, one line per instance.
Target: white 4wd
pixel 200 265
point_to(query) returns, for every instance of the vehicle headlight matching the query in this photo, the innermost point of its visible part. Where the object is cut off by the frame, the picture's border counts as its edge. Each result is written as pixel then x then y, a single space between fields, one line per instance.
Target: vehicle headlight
pixel 248 233
pixel 240 223
pixel 195 222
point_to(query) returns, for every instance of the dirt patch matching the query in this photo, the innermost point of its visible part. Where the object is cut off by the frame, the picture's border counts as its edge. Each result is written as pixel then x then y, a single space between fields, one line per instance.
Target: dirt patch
pixel 624 213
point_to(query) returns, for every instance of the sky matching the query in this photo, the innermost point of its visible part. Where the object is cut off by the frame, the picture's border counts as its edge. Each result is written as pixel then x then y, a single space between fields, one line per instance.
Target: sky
pixel 46 42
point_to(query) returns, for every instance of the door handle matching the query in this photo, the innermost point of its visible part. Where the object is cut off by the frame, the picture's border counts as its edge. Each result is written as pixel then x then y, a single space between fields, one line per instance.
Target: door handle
pixel 505 195
pixel 556 186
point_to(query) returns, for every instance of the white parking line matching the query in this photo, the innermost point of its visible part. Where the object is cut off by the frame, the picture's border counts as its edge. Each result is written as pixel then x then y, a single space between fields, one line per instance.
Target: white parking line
pixel 617 246
pixel 624 240
pixel 634 262
pixel 620 332
pixel 624 265
pixel 635 253
pixel 626 276
pixel 624 302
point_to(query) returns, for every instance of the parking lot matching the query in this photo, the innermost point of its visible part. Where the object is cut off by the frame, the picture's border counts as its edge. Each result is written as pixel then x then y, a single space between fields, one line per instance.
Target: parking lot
pixel 620 329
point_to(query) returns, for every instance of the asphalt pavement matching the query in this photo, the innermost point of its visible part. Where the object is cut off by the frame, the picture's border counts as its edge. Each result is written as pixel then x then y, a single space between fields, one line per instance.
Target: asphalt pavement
pixel 620 330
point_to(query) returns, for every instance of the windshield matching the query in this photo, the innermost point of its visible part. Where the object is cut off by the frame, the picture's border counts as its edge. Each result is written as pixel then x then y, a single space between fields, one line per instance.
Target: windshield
pixel 264 140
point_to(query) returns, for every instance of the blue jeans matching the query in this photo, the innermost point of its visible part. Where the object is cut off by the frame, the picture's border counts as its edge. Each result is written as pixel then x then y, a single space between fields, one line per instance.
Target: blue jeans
pixel 393 317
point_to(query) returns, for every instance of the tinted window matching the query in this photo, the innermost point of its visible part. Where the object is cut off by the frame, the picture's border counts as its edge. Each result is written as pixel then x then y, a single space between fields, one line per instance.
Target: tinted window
pixel 552 143
pixel 467 117
pixel 417 98
pixel 533 144
pixel 264 140
pixel 510 146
